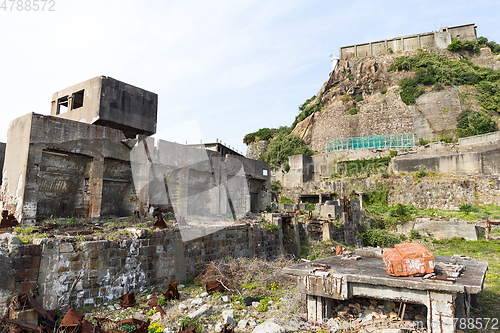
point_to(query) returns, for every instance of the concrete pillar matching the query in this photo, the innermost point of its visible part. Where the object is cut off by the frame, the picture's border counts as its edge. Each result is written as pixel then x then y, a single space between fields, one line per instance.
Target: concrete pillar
pixel 360 201
pixel 327 231
pixel 320 199
pixel 95 186
pixel 440 312
pixel 319 309
pixel 179 260
pixel 296 230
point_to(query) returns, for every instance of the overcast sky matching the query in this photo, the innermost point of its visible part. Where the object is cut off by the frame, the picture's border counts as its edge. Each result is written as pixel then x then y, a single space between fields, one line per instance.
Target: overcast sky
pixel 226 68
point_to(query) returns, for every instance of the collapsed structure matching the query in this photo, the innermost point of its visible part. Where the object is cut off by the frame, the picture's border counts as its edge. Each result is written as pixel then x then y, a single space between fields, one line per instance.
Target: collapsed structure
pixel 80 161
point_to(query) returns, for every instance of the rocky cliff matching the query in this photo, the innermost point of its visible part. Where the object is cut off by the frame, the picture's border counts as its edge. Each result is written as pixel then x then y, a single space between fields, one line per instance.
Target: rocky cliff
pixel 362 98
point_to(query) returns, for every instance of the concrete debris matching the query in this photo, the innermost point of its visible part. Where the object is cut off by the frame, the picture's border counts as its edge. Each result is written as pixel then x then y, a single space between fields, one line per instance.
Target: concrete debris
pixel 202 311
pixel 408 259
pixel 228 317
pixel 269 326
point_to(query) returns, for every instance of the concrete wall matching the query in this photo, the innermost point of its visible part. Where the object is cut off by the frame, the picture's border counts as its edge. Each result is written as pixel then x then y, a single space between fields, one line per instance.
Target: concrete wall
pixel 439 39
pixel 62 168
pixel 112 103
pixel 105 270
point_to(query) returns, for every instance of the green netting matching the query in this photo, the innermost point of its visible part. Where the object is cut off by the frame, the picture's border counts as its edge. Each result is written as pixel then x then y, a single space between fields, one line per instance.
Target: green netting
pixel 388 141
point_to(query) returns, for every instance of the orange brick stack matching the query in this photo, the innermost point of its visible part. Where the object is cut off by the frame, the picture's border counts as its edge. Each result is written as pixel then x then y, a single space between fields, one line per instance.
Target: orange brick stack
pixel 408 259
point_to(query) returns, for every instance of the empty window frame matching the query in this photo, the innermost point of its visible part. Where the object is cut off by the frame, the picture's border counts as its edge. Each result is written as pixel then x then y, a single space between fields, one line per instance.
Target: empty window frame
pixel 77 100
pixel 62 105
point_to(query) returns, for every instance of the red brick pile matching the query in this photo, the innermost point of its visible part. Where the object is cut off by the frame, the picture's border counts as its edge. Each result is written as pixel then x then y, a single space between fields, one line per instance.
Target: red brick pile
pixel 408 259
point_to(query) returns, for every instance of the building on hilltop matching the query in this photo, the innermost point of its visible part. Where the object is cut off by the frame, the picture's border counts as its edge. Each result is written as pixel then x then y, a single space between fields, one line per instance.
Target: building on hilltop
pixel 440 39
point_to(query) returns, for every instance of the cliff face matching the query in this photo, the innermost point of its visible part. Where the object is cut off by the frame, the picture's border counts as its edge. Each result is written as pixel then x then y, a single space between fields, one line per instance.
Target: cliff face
pixel 378 113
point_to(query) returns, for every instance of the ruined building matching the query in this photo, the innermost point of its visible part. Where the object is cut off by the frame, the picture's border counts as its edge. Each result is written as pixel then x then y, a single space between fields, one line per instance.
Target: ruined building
pixel 80 161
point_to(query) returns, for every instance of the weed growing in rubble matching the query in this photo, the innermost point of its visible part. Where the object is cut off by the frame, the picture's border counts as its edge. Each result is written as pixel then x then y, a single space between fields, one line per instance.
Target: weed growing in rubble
pixel 127 328
pixel 155 328
pixel 187 321
pixel 25 233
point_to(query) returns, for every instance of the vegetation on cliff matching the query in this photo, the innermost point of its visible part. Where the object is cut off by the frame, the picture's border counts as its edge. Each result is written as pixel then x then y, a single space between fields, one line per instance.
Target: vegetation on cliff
pixel 436 69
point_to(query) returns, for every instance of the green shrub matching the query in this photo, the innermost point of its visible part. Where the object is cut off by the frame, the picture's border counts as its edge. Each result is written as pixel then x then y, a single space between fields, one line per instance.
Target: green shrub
pixel 353 111
pixel 389 50
pixel 347 97
pixel 470 122
pixel 286 200
pixel 394 153
pixel 467 208
pixel 359 98
pixel 310 206
pixel 423 141
pixel 286 167
pixel 410 90
pixel 383 91
pixel 262 134
pixel 445 138
pixel 350 76
pixel 283 145
pixel 419 174
pixel 438 86
pixel 414 234
pixel 378 237
pixel 276 186
pixel 306 109
pixel 162 301
pixel 433 68
pixel 127 328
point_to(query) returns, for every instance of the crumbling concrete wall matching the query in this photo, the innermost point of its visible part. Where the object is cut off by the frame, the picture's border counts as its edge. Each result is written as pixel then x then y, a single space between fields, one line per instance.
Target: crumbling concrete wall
pixel 71 273
pixel 55 167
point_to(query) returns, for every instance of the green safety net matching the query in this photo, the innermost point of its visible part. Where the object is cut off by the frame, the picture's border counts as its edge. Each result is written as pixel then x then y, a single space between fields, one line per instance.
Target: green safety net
pixel 388 141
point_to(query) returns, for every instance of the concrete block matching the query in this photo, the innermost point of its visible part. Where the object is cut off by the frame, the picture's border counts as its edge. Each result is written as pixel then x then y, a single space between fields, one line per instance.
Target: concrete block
pixel 66 247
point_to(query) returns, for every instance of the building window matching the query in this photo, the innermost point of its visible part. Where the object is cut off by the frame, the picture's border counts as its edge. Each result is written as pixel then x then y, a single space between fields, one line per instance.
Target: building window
pixel 62 105
pixel 77 100
pixel 264 172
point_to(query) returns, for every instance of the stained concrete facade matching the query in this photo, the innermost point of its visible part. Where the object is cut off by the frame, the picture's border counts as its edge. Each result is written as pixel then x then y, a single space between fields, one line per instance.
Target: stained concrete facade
pixel 108 102
pixel 81 162
pixel 440 39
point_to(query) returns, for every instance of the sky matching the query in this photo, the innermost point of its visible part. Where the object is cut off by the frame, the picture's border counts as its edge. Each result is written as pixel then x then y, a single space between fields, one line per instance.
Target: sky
pixel 221 68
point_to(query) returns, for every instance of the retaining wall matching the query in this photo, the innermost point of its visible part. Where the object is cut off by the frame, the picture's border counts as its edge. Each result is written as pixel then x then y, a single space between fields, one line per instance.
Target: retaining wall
pixel 69 273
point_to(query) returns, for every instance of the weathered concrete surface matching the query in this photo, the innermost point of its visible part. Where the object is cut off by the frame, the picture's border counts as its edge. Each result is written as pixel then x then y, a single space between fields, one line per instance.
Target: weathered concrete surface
pixel 62 168
pixel 111 103
pixel 104 270
pixel 367 278
pixel 442 229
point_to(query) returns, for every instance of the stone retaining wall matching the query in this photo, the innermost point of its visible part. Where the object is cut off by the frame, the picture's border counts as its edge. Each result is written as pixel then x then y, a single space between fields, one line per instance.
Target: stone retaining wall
pixel 70 273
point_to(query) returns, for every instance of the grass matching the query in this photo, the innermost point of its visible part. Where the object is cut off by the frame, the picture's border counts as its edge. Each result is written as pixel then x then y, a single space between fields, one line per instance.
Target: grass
pixel 481 250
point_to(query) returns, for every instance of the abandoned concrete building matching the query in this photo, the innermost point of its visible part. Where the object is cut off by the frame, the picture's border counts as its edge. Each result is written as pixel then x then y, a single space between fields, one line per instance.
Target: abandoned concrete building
pixel 439 39
pixel 77 162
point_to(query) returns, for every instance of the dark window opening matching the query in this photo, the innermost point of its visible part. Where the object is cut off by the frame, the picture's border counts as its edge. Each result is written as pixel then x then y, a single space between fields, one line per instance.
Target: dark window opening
pixel 62 105
pixel 77 100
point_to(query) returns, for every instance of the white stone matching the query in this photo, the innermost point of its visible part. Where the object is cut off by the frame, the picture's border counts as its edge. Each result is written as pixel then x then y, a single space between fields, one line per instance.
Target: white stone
pixel 110 307
pixel 149 296
pixel 181 286
pixel 242 323
pixel 269 326
pixel 205 294
pixel 168 330
pixel 252 323
pixel 183 307
pixel 228 316
pixel 118 306
pixel 218 327
pixel 255 304
pixel 156 317
pixel 225 299
pixel 203 310
pixel 196 302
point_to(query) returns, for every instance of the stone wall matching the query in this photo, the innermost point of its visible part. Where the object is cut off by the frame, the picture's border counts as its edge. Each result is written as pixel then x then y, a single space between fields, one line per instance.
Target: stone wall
pixel 71 273
pixel 378 114
pixel 439 192
pixel 254 149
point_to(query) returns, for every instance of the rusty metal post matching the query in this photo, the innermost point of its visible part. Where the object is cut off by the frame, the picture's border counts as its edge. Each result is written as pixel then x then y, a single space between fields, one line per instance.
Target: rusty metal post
pixel 488 230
